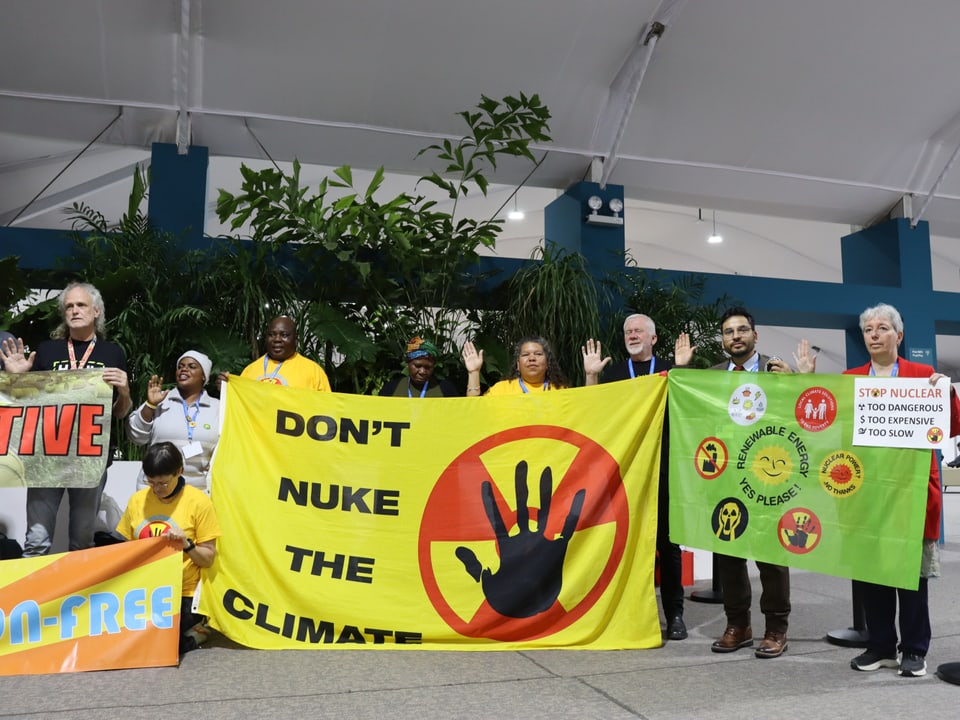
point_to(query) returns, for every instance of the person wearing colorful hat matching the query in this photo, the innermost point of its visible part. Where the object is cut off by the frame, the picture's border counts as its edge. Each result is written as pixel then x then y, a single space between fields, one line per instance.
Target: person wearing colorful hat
pixel 419 382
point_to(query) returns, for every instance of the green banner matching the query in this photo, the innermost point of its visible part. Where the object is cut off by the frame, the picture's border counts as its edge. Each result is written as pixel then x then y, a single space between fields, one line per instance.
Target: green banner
pixel 54 428
pixel 763 466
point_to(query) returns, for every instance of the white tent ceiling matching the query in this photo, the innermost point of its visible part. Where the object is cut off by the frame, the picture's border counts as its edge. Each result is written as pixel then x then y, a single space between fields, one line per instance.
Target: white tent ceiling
pixel 823 111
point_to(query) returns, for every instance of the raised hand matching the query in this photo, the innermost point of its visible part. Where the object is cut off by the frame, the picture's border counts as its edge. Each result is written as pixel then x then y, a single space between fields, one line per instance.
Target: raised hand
pixel 155 392
pixel 472 358
pixel 805 360
pixel 683 350
pixel 15 357
pixel 593 361
pixel 530 575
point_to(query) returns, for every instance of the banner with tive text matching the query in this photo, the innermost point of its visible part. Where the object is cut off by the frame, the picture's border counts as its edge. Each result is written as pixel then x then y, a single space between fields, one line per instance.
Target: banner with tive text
pixel 100 609
pixel 54 428
pixel 763 466
pixel 460 523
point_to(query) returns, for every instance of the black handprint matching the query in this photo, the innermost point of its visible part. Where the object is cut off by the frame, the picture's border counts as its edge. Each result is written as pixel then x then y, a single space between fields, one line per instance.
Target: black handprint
pixel 531 566
pixel 805 526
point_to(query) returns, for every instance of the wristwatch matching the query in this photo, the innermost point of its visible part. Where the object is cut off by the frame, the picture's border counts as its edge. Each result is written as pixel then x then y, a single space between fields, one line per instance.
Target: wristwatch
pixel 190 546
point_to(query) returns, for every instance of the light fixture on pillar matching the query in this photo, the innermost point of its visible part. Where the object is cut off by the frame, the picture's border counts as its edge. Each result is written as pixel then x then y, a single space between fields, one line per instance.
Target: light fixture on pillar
pixel 715 238
pixel 595 203
pixel 516 213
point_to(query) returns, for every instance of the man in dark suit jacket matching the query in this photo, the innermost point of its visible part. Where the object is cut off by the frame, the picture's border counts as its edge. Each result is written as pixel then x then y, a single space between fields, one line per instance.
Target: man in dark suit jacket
pixel 639 338
pixel 739 338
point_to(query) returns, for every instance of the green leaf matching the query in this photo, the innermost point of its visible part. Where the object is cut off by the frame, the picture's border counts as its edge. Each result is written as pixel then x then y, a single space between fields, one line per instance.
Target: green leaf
pixel 375 183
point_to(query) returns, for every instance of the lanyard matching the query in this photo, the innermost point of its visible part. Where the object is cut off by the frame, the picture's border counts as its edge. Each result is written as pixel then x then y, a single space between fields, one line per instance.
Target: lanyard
pixel 191 421
pixel 893 373
pixel 74 365
pixel 423 393
pixel 653 361
pixel 523 386
pixel 275 371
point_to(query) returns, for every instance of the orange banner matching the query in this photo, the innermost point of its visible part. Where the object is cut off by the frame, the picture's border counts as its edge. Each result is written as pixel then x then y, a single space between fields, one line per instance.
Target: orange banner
pixel 99 609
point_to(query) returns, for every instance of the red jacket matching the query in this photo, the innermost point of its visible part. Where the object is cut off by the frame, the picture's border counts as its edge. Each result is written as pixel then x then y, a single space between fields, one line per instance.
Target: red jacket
pixel 931 529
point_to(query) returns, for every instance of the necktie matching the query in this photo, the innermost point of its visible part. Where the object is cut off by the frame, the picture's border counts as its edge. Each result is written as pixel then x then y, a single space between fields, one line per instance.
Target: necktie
pixel 738 368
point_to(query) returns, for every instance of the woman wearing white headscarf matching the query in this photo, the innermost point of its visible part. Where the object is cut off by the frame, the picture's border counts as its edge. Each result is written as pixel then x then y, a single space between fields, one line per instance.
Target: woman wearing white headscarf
pixel 184 415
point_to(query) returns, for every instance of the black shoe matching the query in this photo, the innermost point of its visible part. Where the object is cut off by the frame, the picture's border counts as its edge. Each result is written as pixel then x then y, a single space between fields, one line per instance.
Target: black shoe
pixel 676 630
pixel 868 661
pixel 912 665
pixel 187 643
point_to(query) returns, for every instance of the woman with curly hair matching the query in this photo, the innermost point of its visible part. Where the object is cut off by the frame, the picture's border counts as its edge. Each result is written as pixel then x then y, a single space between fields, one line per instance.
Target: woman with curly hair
pixel 535 369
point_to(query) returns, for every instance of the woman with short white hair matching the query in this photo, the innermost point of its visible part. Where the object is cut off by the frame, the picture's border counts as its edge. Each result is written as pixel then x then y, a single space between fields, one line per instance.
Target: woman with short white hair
pixel 882 329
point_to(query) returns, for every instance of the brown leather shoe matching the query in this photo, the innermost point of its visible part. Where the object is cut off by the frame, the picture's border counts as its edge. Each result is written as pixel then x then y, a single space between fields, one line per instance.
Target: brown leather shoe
pixel 773 645
pixel 733 638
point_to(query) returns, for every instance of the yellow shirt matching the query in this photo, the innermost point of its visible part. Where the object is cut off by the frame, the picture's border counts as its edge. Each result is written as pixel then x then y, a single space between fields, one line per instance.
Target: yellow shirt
pixel 191 511
pixel 512 387
pixel 296 371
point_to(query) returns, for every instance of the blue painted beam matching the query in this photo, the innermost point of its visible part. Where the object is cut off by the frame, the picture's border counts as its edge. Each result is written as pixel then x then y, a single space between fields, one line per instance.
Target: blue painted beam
pixel 178 191
pixel 37 249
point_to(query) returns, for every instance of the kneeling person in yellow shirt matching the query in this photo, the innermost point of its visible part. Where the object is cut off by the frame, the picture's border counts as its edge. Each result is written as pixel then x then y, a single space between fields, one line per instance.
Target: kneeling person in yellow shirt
pixel 182 514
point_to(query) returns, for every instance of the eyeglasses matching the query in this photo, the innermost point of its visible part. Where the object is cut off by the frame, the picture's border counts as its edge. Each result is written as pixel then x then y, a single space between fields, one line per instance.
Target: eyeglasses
pixel 742 330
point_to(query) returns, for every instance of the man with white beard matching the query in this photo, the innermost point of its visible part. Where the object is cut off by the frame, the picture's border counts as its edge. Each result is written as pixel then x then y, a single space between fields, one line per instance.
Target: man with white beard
pixel 639 337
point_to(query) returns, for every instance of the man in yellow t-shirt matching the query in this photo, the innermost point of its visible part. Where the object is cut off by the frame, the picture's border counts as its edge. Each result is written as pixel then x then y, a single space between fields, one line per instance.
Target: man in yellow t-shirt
pixel 282 364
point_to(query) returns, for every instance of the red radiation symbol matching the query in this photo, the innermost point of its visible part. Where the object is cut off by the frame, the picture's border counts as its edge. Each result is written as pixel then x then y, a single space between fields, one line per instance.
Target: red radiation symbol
pixel 495 570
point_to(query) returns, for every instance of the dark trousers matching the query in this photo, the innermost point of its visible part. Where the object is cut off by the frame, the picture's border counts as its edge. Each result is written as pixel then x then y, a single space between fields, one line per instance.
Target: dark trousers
pixel 188 619
pixel 880 610
pixel 737 596
pixel 671 562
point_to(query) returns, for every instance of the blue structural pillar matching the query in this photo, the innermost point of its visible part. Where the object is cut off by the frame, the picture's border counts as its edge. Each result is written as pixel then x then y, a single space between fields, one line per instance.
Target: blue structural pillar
pixel 601 243
pixel 892 256
pixel 178 191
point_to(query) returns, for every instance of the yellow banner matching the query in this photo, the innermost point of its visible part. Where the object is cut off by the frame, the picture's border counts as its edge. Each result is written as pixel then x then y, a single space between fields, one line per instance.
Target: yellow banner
pixel 464 523
pixel 99 609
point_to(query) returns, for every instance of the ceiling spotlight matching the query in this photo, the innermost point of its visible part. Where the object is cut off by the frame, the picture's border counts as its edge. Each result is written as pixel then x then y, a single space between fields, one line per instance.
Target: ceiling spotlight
pixel 715 238
pixel 516 213
pixel 595 203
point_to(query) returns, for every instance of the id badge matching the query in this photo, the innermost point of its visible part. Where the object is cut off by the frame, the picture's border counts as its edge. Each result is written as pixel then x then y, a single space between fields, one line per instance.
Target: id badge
pixel 192 449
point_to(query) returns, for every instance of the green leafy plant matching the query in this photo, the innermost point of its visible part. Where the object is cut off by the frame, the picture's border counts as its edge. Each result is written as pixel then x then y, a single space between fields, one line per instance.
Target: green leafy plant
pixel 554 297
pixel 163 298
pixel 12 288
pixel 676 306
pixel 375 271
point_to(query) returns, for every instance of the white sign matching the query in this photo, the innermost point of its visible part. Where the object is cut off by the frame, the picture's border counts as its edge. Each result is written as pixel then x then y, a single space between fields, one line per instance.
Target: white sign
pixel 901 412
